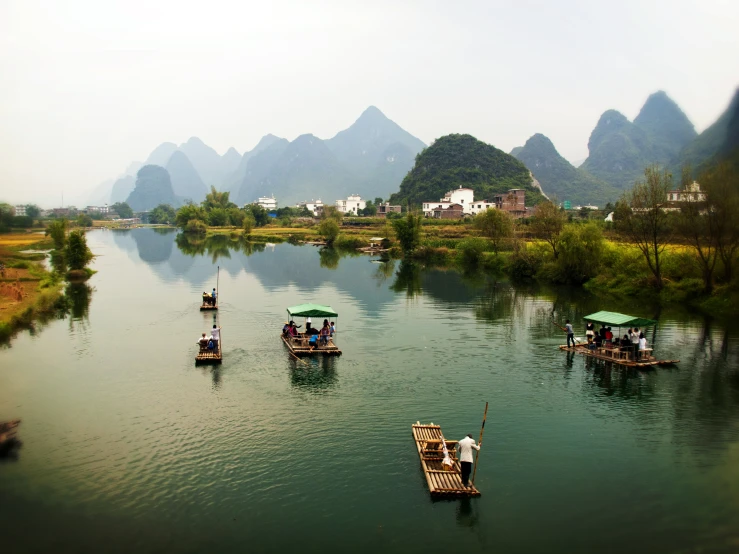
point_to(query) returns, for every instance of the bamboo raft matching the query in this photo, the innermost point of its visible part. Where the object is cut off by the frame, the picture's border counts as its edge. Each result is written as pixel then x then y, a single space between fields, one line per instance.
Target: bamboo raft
pixel 8 441
pixel 441 482
pixel 300 346
pixel 617 357
pixel 204 307
pixel 206 356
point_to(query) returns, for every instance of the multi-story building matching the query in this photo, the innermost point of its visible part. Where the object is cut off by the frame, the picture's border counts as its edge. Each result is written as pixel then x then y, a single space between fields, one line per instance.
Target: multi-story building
pixel 691 193
pixel 20 210
pixel 267 202
pixel 513 202
pixel 352 205
pixel 386 208
pixel 314 206
pixel 462 196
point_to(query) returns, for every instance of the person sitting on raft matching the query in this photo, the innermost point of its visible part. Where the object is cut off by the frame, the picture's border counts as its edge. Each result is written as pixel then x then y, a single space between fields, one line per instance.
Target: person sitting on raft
pixel 293 329
pixel 203 342
pixel 286 328
pixel 206 299
pixel 333 328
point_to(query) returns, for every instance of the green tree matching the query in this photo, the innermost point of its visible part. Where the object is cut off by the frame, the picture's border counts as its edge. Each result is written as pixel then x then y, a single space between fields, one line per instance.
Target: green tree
pixel 370 209
pixel 215 199
pixel 236 216
pixel 190 212
pixel 331 212
pixel 581 252
pixel 721 185
pixel 496 225
pixel 642 219
pixel 408 232
pixel 217 217
pixel 249 224
pixel 84 220
pixel 260 215
pixel 549 220
pixel 33 211
pixel 57 230
pixel 123 210
pixel 163 214
pixel 329 230
pixel 195 227
pixel 378 201
pixel 7 212
pixel 77 254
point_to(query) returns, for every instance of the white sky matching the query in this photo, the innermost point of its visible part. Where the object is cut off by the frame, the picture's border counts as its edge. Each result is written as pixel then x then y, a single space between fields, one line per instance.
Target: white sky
pixel 87 86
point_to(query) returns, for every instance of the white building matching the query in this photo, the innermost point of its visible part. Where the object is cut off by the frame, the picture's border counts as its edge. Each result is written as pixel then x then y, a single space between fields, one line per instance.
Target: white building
pixel 97 209
pixel 352 205
pixel 691 193
pixel 478 206
pixel 314 206
pixel 20 211
pixel 462 196
pixel 267 202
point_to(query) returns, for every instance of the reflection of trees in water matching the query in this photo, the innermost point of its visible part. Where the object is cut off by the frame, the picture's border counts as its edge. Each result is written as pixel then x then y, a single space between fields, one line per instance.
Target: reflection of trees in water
pixel 408 279
pixel 316 375
pixel 216 246
pixel 329 257
pixel 385 270
pixel 707 396
pixel 500 301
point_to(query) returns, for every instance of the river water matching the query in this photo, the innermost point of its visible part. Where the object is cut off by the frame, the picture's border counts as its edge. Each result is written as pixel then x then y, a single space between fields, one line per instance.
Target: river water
pixel 129 447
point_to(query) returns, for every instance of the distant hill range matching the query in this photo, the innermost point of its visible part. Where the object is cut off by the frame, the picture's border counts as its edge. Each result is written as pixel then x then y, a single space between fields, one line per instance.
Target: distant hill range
pixel 559 178
pixel 369 158
pixel 462 160
pixel 620 150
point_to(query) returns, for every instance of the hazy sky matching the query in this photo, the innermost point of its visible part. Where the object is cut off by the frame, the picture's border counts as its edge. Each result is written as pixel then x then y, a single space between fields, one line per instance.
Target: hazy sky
pixel 88 86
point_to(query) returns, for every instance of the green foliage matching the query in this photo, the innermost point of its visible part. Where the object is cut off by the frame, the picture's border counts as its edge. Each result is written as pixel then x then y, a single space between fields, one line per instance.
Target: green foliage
pixel 496 225
pixel 84 220
pixel 33 211
pixel 329 230
pixel 190 212
pixel 331 212
pixel 260 215
pixel 581 248
pixel 163 214
pixel 123 210
pixel 195 227
pixel 57 230
pixel 7 213
pixel 248 224
pixel 77 254
pixel 217 217
pixel 549 220
pixel 215 199
pixel 22 221
pixel 470 251
pixel 370 210
pixel 408 232
pixel 236 216
pixel 455 160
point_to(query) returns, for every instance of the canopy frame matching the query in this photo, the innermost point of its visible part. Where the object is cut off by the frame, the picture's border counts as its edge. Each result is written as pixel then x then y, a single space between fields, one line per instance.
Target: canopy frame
pixel 616 319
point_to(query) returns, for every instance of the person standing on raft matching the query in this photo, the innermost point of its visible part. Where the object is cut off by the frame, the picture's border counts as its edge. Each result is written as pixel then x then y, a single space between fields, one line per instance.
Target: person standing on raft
pixel 465 457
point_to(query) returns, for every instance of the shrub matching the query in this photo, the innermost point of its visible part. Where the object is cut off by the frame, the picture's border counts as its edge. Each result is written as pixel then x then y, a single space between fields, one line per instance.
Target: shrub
pixel 195 227
pixel 470 251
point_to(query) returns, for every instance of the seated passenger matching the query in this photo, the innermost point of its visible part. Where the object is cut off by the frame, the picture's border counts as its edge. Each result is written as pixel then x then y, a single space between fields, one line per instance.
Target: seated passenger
pixel 286 328
pixel 333 328
pixel 203 342
pixel 206 299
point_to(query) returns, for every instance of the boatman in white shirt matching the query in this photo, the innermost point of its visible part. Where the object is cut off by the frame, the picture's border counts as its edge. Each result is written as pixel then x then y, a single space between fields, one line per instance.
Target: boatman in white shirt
pixel 465 457
pixel 215 336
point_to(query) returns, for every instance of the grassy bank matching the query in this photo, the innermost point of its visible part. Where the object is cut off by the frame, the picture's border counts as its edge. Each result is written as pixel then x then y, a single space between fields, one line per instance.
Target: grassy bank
pixel 27 290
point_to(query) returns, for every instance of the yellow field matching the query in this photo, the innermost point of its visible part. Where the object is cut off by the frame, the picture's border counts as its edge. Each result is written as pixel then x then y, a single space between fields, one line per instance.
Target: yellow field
pixel 20 239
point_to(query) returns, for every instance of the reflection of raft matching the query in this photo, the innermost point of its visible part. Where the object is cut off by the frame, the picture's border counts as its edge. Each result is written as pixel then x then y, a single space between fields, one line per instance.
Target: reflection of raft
pixel 300 346
pixel 441 482
pixel 617 356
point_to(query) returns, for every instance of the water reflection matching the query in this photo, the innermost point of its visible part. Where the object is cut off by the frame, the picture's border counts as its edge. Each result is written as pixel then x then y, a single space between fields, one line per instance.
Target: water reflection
pixel 408 279
pixel 316 375
pixel 329 257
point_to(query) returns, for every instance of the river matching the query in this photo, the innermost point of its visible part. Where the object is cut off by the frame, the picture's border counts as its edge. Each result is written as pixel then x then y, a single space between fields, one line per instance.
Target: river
pixel 130 447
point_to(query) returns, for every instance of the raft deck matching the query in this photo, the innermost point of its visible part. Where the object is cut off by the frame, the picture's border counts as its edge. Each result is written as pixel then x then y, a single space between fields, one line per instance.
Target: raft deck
pixel 206 356
pixel 618 356
pixel 441 482
pixel 205 307
pixel 300 346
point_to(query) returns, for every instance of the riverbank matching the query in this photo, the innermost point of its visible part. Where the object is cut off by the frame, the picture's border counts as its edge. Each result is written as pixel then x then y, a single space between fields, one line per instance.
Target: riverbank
pixel 604 264
pixel 28 291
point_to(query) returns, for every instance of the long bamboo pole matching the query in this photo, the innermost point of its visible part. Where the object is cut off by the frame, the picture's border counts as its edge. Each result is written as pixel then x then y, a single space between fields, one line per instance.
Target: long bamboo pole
pixel 482 430
pixel 218 281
